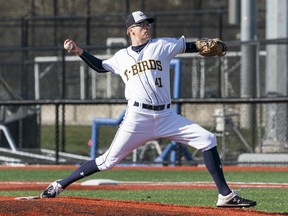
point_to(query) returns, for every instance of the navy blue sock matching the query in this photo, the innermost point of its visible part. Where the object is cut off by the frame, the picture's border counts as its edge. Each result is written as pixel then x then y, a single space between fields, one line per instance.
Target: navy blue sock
pixel 84 170
pixel 214 166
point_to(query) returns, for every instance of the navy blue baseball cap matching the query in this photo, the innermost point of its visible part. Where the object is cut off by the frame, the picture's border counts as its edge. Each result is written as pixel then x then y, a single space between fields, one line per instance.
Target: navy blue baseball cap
pixel 137 17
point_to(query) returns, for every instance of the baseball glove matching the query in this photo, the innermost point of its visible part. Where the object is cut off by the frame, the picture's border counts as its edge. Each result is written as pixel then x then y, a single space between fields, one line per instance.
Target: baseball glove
pixel 211 47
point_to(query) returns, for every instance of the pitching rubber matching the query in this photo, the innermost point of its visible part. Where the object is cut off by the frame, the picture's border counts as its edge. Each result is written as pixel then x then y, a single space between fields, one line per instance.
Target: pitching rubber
pixel 27 198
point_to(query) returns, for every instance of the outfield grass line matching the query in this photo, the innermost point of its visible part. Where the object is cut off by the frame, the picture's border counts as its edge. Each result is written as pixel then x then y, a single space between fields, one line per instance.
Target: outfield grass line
pixel 4 185
pixel 149 167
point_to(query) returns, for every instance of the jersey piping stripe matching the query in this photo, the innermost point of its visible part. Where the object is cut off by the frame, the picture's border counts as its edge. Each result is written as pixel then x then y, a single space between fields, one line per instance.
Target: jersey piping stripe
pixel 139 76
pixel 155 95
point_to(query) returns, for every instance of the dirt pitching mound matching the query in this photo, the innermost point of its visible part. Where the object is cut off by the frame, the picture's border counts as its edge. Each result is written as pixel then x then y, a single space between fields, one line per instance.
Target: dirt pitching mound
pixel 84 206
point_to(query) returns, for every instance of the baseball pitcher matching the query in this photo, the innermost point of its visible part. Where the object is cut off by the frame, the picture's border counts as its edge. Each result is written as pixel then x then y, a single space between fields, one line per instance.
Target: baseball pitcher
pixel 144 68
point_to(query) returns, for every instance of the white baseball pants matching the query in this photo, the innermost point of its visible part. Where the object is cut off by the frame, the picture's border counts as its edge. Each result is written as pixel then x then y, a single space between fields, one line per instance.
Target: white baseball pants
pixel 140 126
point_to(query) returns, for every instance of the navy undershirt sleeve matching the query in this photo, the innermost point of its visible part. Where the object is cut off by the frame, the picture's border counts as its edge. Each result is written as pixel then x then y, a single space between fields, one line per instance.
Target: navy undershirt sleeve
pixel 93 62
pixel 191 47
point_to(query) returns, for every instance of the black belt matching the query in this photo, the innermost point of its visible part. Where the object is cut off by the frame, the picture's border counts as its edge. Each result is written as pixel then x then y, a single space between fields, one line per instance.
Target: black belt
pixel 151 107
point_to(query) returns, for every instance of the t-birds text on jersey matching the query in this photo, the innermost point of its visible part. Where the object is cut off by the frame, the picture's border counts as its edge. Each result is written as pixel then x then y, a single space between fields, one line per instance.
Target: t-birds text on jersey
pixel 143 66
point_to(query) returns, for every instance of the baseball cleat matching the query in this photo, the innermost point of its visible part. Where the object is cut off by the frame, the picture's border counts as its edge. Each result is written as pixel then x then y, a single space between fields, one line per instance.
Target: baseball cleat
pixel 53 190
pixel 233 200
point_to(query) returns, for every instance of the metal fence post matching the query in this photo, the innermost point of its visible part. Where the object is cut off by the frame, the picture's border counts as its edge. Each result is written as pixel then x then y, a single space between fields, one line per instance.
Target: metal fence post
pixel 57 133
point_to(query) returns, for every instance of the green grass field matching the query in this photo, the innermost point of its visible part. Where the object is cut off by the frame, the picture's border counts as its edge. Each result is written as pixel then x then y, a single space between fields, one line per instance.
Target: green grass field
pixel 269 200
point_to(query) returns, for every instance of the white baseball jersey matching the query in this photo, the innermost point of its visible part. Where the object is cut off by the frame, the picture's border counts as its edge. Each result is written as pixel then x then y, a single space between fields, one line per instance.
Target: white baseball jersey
pixel 146 74
pixel 147 78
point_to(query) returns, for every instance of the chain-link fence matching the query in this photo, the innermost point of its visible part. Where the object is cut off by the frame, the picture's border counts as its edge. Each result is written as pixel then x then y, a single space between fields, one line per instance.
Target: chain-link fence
pixel 246 131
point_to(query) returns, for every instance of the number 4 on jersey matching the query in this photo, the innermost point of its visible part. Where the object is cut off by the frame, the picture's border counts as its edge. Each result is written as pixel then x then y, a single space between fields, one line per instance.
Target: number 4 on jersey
pixel 158 82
